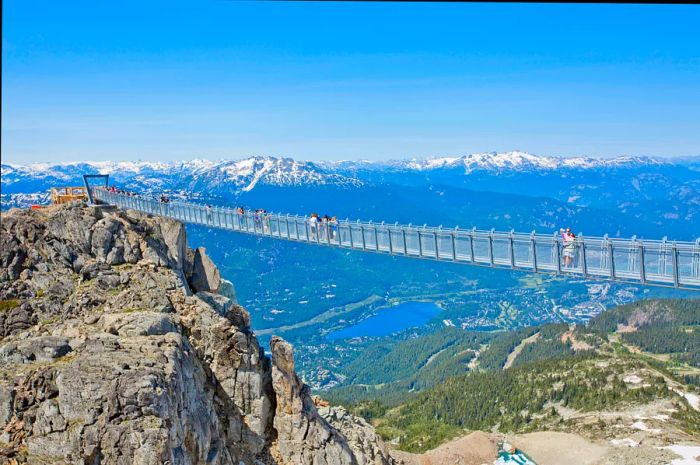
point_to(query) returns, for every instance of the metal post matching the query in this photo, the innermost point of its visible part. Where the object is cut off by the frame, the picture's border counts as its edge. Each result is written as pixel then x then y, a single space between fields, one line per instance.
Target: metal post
pixel 696 259
pixel 376 238
pixel 674 258
pixel 420 244
pixel 612 258
pixel 471 244
pixel 642 264
pixel 352 240
pixel 491 246
pixel 405 246
pixel 557 253
pixel 584 262
pixel 631 255
pixel 391 242
pixel 533 243
pixel 512 250
pixel 662 256
pixel 362 231
pixel 454 246
pixel 437 253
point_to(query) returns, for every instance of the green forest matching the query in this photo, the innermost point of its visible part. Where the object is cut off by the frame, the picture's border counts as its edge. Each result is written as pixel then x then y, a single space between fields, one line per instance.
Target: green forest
pixel 421 392
pixel 514 400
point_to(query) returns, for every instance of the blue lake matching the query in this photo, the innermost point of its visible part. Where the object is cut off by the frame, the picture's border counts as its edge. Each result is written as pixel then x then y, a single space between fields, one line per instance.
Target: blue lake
pixel 390 320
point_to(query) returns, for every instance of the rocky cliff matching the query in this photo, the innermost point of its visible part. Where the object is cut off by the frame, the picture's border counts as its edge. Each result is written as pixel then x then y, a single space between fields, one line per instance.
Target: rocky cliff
pixel 119 345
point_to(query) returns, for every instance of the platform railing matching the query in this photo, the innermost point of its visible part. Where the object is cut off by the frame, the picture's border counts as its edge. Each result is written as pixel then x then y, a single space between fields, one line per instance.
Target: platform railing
pixel 650 262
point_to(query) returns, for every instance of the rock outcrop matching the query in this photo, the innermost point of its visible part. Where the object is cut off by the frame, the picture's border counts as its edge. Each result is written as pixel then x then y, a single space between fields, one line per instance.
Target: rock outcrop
pixel 367 446
pixel 118 345
pixel 303 436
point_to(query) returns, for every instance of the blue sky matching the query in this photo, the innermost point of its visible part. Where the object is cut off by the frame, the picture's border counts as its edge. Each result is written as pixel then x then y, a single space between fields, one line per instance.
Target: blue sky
pixel 217 79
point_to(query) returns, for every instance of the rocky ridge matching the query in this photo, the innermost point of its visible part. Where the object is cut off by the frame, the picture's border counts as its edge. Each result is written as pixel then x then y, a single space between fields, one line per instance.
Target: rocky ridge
pixel 119 345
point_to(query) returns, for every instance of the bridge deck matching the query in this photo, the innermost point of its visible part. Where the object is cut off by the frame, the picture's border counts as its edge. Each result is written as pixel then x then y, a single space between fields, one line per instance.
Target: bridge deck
pixel 649 262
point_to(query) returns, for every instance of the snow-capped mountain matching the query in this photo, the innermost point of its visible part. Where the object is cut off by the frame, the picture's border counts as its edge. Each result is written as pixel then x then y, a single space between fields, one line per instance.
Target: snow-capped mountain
pixel 234 176
pixel 506 161
pixel 248 173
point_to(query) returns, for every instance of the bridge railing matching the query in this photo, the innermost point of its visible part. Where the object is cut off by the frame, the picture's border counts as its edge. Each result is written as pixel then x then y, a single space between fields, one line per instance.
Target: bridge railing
pixel 657 262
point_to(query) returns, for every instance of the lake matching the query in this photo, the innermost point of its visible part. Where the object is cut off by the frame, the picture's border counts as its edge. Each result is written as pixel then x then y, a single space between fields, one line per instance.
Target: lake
pixel 390 320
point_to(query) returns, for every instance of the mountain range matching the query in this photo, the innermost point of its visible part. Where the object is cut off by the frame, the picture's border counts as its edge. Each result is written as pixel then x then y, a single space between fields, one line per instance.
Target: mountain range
pixel 245 174
pixel 631 195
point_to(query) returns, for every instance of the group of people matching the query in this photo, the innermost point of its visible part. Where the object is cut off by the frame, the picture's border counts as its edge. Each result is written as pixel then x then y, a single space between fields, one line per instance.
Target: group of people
pixel 117 190
pixel 320 227
pixel 323 227
pixel 261 218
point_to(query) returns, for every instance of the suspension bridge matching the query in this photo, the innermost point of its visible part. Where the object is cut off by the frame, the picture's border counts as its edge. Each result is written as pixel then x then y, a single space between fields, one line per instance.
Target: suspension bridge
pixel 647 262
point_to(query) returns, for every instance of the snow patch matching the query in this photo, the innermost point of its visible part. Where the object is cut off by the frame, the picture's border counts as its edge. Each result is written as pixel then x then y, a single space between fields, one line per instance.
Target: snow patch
pixel 640 425
pixel 626 442
pixel 692 399
pixel 689 454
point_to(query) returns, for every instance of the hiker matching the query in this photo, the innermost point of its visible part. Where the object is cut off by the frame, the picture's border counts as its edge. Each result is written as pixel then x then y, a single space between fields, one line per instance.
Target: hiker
pixel 333 224
pixel 323 227
pixel 265 220
pixel 313 225
pixel 569 246
pixel 240 213
pixel 210 218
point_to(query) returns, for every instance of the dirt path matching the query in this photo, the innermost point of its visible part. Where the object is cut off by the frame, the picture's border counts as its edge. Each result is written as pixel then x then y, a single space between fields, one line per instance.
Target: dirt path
pixel 514 354
pixel 473 449
pixel 432 357
pixel 637 446
pixel 554 448
pixel 477 448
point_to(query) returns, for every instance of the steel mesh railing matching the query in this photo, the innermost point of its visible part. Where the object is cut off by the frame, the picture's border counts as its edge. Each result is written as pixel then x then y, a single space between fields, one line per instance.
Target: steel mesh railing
pixel 651 262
